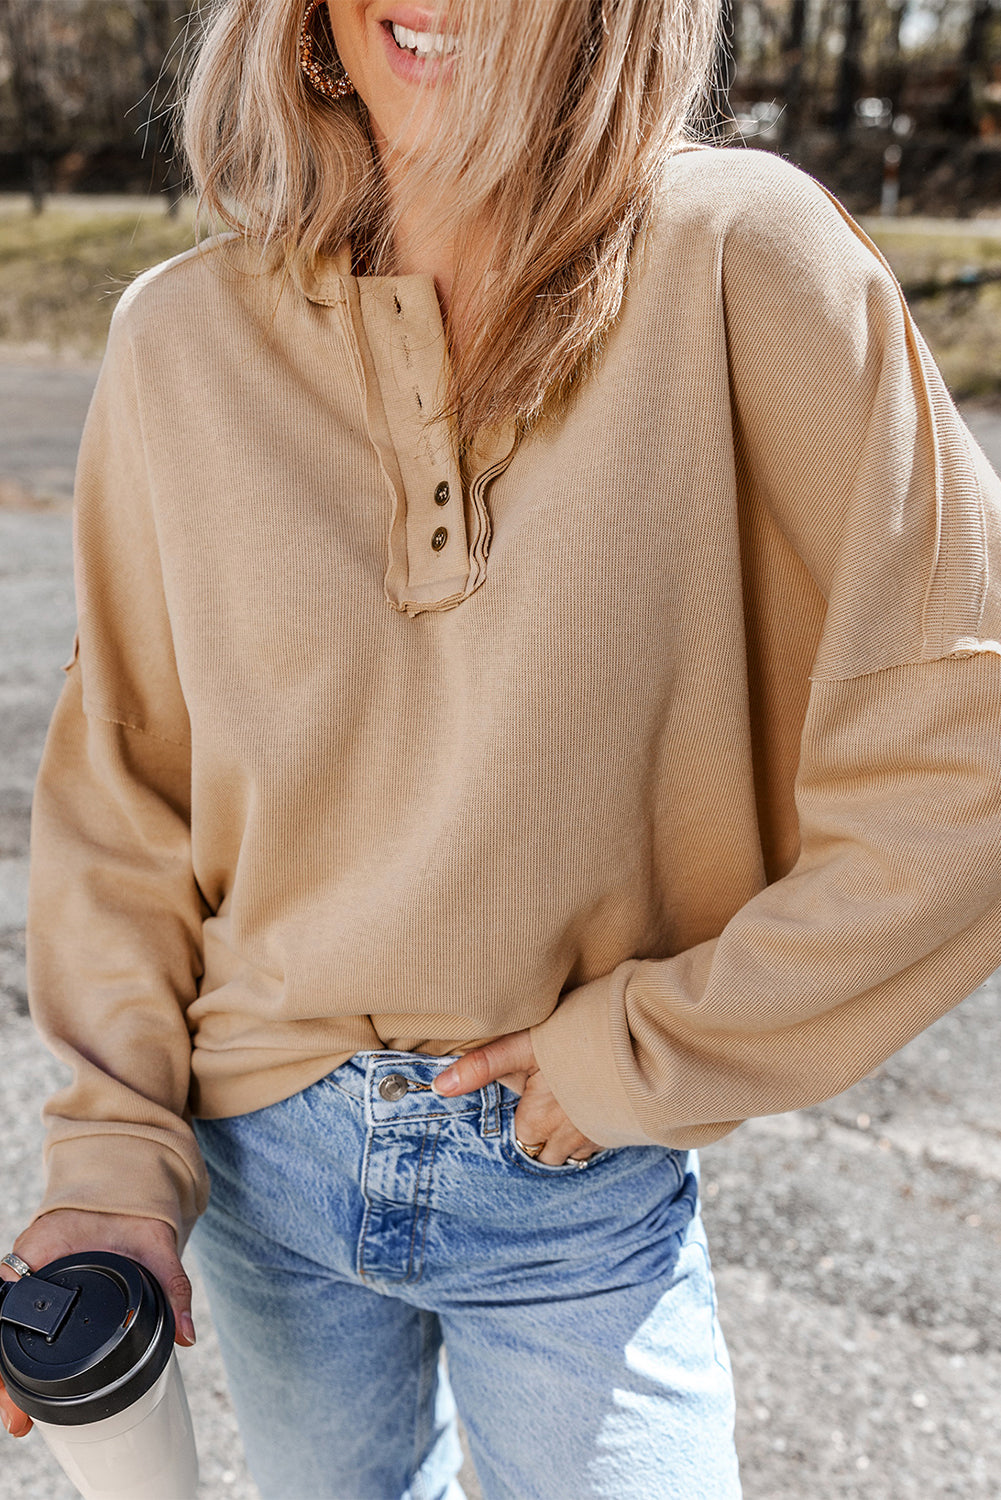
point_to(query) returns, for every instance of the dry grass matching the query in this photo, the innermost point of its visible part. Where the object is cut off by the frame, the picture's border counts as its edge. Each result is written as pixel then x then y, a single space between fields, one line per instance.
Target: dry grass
pixel 962 327
pixel 61 273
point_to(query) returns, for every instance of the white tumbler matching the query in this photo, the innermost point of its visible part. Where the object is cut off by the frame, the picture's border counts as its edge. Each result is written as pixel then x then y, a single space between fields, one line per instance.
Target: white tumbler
pixel 87 1350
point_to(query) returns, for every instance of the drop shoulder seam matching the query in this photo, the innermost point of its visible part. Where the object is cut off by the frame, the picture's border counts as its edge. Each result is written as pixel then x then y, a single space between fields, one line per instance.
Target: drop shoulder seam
pixel 122 723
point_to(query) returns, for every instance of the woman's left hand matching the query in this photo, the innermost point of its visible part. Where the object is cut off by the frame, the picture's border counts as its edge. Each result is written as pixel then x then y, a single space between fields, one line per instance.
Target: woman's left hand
pixel 538 1119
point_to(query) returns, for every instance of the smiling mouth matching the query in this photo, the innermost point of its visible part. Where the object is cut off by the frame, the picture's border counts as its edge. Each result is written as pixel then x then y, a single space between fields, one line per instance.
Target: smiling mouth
pixel 423 44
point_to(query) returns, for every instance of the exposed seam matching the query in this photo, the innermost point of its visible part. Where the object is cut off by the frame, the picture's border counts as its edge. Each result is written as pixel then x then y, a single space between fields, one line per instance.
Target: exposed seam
pixel 720 1358
pixel 940 573
pixel 441 1115
pixel 943 563
pixel 150 487
pixel 367 1216
pixel 967 440
pixel 139 729
pixel 959 653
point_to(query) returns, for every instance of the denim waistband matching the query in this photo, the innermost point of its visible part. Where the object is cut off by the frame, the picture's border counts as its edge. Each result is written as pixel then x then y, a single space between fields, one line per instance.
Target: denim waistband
pixel 376 1079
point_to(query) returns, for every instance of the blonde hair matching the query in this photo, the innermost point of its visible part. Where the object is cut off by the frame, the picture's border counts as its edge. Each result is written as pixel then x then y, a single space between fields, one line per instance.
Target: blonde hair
pixel 553 133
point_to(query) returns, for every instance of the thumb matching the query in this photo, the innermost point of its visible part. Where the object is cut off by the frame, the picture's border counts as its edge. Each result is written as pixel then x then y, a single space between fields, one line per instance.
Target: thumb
pixel 154 1245
pixel 176 1286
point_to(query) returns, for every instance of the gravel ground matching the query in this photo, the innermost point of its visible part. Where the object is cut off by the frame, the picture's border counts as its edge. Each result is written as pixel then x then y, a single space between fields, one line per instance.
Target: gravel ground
pixel 857 1245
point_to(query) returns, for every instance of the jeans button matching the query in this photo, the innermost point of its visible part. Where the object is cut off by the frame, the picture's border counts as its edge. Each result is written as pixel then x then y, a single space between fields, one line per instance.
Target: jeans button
pixel 394 1087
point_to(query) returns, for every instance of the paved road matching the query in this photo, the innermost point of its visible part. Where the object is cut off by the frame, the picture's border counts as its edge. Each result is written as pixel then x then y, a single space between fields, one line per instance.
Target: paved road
pixel 41 414
pixel 857 1245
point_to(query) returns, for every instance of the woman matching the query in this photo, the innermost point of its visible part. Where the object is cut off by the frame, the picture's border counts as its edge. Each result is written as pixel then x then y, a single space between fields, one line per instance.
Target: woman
pixel 536 707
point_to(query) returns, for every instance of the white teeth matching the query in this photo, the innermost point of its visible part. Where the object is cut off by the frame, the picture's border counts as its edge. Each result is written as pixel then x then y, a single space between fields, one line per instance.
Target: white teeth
pixel 424 43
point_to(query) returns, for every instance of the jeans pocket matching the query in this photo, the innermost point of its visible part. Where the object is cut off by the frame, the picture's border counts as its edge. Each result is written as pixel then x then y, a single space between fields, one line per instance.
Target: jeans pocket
pixel 521 1159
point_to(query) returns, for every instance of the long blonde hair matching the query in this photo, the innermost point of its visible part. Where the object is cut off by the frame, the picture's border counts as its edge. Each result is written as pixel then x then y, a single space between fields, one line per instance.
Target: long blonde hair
pixel 553 131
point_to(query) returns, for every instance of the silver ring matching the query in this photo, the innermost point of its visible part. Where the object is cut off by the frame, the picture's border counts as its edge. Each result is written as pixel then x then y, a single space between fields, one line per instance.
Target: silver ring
pixel 532 1151
pixel 579 1161
pixel 16 1264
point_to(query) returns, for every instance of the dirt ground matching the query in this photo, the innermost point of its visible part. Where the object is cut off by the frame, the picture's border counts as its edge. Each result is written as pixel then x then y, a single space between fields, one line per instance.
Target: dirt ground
pixel 857 1245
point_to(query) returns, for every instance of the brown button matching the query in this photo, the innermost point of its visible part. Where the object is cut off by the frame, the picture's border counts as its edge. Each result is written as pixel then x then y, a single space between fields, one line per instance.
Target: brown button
pixel 439 538
pixel 441 493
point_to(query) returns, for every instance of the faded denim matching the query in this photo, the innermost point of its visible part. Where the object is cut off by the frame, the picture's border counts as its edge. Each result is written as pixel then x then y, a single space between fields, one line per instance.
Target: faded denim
pixel 350 1237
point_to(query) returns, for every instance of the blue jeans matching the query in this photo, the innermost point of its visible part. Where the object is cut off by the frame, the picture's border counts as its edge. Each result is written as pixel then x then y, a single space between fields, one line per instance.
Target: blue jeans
pixel 375 1262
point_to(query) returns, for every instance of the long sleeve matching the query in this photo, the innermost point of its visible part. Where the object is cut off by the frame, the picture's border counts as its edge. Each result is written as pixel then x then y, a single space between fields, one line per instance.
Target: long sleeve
pixel 411 831
pixel 847 445
pixel 115 913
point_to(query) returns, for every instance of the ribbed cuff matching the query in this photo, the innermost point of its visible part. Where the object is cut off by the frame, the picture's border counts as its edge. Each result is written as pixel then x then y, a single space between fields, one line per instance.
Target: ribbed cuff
pixel 115 1173
pixel 576 1049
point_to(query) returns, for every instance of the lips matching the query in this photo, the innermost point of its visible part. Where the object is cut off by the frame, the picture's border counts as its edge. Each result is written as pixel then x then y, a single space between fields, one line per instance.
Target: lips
pixel 423 43
pixel 415 48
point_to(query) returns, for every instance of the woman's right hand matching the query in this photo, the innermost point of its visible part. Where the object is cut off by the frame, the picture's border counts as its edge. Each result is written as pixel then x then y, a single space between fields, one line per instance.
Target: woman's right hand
pixel 65 1231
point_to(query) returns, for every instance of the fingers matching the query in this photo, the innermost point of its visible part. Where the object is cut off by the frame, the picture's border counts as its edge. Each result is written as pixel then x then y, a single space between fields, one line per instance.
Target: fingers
pixel 66 1231
pixel 513 1053
pixel 539 1117
pixel 17 1422
pixel 177 1288
pixel 149 1241
pixel 163 1261
pixel 562 1140
pixel 179 1294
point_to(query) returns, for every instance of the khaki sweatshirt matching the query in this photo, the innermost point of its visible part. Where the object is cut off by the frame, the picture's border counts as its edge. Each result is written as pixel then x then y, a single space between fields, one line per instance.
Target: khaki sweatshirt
pixel 673 733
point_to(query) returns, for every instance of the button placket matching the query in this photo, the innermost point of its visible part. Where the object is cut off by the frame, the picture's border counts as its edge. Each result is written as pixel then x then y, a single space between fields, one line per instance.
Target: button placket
pixel 402 348
pixel 437 555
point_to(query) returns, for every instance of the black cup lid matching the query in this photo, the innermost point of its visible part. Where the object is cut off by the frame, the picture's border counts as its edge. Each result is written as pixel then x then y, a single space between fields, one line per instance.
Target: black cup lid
pixel 107 1349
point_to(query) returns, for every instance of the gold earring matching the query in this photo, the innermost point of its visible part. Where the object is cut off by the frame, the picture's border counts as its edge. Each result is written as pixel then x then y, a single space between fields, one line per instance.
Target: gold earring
pixel 328 79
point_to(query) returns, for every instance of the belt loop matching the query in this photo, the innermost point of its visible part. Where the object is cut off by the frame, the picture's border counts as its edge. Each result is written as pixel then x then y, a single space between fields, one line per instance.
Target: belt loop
pixel 368 1060
pixel 490 1113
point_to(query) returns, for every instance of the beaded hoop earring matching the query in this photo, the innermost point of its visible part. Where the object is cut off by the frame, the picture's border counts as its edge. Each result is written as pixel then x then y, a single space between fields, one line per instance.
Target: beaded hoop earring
pixel 327 79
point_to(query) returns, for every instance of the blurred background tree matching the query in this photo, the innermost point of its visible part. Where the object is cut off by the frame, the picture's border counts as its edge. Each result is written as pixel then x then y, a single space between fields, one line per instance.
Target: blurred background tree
pixel 894 104
pixel 29 57
pixel 833 83
pixel 86 93
pixel 86 89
